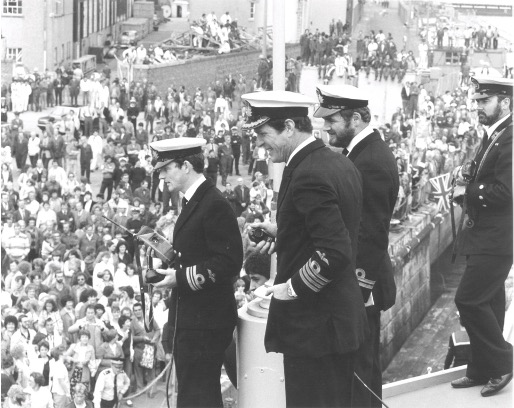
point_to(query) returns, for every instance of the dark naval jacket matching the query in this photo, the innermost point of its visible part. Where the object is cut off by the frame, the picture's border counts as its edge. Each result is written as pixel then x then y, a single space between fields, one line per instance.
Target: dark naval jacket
pixel 318 212
pixel 488 230
pixel 380 184
pixel 207 236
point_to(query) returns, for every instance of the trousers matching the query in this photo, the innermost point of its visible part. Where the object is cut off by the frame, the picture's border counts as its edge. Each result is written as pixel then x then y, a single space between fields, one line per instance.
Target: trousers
pixel 198 357
pixel 480 299
pixel 319 382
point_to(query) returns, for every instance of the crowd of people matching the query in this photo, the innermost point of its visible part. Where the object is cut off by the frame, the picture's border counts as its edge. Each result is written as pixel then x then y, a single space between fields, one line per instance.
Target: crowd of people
pixel 429 136
pixel 71 302
pixel 70 289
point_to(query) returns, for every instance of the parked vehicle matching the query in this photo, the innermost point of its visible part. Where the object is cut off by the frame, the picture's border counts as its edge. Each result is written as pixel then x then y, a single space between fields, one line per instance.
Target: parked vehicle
pixel 129 38
pixel 57 113
pixel 87 64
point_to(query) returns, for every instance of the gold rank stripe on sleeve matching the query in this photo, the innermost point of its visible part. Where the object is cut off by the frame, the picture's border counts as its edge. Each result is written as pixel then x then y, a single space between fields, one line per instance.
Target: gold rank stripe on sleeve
pixel 363 282
pixel 311 274
pixel 195 280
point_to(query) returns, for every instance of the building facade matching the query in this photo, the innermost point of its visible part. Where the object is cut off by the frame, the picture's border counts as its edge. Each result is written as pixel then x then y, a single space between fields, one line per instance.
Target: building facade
pixel 300 14
pixel 45 34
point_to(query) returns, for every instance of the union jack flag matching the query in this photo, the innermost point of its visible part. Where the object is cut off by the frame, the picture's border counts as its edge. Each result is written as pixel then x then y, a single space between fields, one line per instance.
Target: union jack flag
pixel 441 191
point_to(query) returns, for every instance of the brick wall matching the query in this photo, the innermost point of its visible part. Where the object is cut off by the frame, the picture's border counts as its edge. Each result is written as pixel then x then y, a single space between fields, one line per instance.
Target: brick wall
pixel 203 71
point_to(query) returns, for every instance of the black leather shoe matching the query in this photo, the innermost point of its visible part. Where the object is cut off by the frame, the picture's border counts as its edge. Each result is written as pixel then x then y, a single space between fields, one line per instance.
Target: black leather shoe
pixel 466 382
pixel 495 384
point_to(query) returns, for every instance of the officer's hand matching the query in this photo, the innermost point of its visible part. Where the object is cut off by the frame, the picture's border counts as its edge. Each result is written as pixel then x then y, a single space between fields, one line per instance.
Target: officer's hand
pixel 168 356
pixel 458 194
pixel 170 279
pixel 279 292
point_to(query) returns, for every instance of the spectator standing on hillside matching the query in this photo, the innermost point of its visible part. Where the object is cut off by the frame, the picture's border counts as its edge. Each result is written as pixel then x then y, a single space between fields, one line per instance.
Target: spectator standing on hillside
pixel 226 157
pixel 262 71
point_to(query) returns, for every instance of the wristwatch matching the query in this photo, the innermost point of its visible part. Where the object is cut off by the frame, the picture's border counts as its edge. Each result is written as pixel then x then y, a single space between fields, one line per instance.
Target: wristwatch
pixel 290 290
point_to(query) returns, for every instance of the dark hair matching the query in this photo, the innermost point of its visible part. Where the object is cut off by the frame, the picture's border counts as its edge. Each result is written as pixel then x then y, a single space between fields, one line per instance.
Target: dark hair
pixel 110 335
pixel 25 267
pixel 83 332
pixel 196 160
pixel 55 353
pixel 7 361
pixel 65 299
pixel 52 302
pixel 33 276
pixel 99 306
pixel 129 290
pixel 137 305
pixel 90 307
pixel 122 320
pixel 108 290
pixel 43 343
pixel 502 97
pixel 38 378
pixel 91 293
pixel 302 124
pixel 364 113
pixel 11 319
pixel 259 264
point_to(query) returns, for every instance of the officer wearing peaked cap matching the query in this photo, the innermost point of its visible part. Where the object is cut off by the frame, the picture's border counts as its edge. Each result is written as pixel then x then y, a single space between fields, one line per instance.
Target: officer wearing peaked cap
pixel 316 317
pixel 484 188
pixel 110 386
pixel 209 252
pixel 347 122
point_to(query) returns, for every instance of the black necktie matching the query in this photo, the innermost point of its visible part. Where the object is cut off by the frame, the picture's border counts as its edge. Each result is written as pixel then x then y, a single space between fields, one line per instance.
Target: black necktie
pixel 115 389
pixel 485 141
pixel 345 151
pixel 184 202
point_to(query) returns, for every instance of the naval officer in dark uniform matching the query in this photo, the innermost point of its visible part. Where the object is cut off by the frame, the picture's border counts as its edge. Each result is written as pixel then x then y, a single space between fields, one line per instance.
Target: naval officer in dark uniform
pixel 347 116
pixel 485 191
pixel 316 317
pixel 209 252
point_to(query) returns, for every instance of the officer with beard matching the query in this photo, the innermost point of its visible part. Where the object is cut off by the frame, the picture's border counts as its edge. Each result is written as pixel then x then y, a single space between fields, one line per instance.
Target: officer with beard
pixel 347 122
pixel 484 189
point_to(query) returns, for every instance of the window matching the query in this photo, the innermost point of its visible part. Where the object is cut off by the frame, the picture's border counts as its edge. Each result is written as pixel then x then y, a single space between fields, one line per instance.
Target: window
pixel 14 54
pixel 452 57
pixel 12 7
pixel 59 7
pixel 56 56
pixel 252 10
pixel 63 55
pixel 68 53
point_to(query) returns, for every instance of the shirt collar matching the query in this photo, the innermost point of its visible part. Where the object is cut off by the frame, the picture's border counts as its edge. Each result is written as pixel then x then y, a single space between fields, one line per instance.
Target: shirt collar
pixel 192 189
pixel 306 142
pixel 359 137
pixel 495 126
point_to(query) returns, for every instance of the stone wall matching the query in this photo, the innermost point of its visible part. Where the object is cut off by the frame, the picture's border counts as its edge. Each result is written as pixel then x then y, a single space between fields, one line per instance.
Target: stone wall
pixel 425 236
pixel 203 71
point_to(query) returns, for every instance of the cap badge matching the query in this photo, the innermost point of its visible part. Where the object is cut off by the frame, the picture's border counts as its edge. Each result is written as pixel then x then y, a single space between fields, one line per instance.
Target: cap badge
pixel 320 96
pixel 247 111
pixel 475 84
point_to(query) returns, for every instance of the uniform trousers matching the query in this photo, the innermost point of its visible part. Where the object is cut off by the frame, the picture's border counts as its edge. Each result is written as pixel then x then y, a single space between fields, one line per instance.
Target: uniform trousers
pixel 367 364
pixel 198 359
pixel 480 299
pixel 319 382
